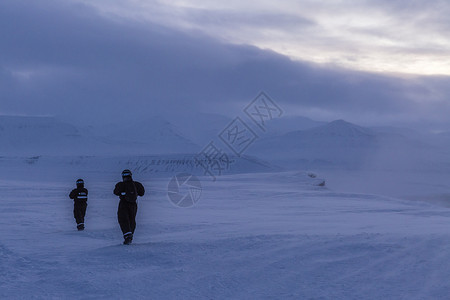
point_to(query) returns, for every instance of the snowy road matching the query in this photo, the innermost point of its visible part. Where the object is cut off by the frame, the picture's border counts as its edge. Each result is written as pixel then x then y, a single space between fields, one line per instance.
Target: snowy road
pixel 258 236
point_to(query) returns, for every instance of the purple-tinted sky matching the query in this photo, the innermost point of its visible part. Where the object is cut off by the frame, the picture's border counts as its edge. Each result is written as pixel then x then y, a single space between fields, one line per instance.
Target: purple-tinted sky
pixel 375 35
pixel 120 60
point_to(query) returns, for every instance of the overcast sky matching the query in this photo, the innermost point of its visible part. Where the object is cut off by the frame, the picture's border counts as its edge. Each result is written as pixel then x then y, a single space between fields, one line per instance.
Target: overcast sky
pixel 372 62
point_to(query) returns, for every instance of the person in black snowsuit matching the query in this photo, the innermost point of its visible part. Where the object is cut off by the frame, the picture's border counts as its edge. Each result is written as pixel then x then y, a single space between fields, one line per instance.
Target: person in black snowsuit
pixel 128 190
pixel 79 196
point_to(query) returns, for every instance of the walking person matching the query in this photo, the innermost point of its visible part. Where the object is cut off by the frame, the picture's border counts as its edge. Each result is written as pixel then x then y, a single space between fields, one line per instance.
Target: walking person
pixel 79 196
pixel 128 190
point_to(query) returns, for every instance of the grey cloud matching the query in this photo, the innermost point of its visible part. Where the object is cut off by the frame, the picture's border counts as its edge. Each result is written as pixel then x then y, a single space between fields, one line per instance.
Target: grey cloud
pixel 429 15
pixel 235 19
pixel 77 64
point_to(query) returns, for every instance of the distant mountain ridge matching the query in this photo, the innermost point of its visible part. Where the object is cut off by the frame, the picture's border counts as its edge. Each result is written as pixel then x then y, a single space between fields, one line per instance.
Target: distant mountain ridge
pixel 50 136
pixel 341 128
pixel 337 144
pixel 333 144
pixel 340 144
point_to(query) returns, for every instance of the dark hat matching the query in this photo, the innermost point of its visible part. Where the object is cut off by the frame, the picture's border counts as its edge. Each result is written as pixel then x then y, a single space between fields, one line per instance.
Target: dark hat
pixel 126 173
pixel 80 181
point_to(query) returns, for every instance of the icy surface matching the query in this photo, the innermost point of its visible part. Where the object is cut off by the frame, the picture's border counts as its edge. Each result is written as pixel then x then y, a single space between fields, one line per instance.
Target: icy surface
pixel 256 233
pixel 251 236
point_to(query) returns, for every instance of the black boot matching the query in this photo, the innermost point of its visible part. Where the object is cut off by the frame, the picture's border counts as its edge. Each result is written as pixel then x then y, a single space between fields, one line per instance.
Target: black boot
pixel 80 226
pixel 128 238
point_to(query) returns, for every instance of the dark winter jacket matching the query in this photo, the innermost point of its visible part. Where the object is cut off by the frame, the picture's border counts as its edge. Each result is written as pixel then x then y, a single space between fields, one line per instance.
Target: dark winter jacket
pixel 79 194
pixel 128 190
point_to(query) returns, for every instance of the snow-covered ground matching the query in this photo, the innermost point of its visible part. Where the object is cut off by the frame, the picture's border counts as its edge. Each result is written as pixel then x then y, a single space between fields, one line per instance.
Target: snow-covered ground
pixel 378 229
pixel 251 236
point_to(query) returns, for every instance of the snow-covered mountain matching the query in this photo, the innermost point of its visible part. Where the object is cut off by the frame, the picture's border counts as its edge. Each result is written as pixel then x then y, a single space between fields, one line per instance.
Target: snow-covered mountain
pixel 39 135
pixel 153 135
pixel 337 143
pixel 284 125
pixel 31 136
pixel 340 144
pixel 292 142
pixel 200 128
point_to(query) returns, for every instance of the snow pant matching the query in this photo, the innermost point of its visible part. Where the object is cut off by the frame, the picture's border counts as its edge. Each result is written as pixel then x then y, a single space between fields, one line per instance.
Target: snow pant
pixel 79 211
pixel 126 214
